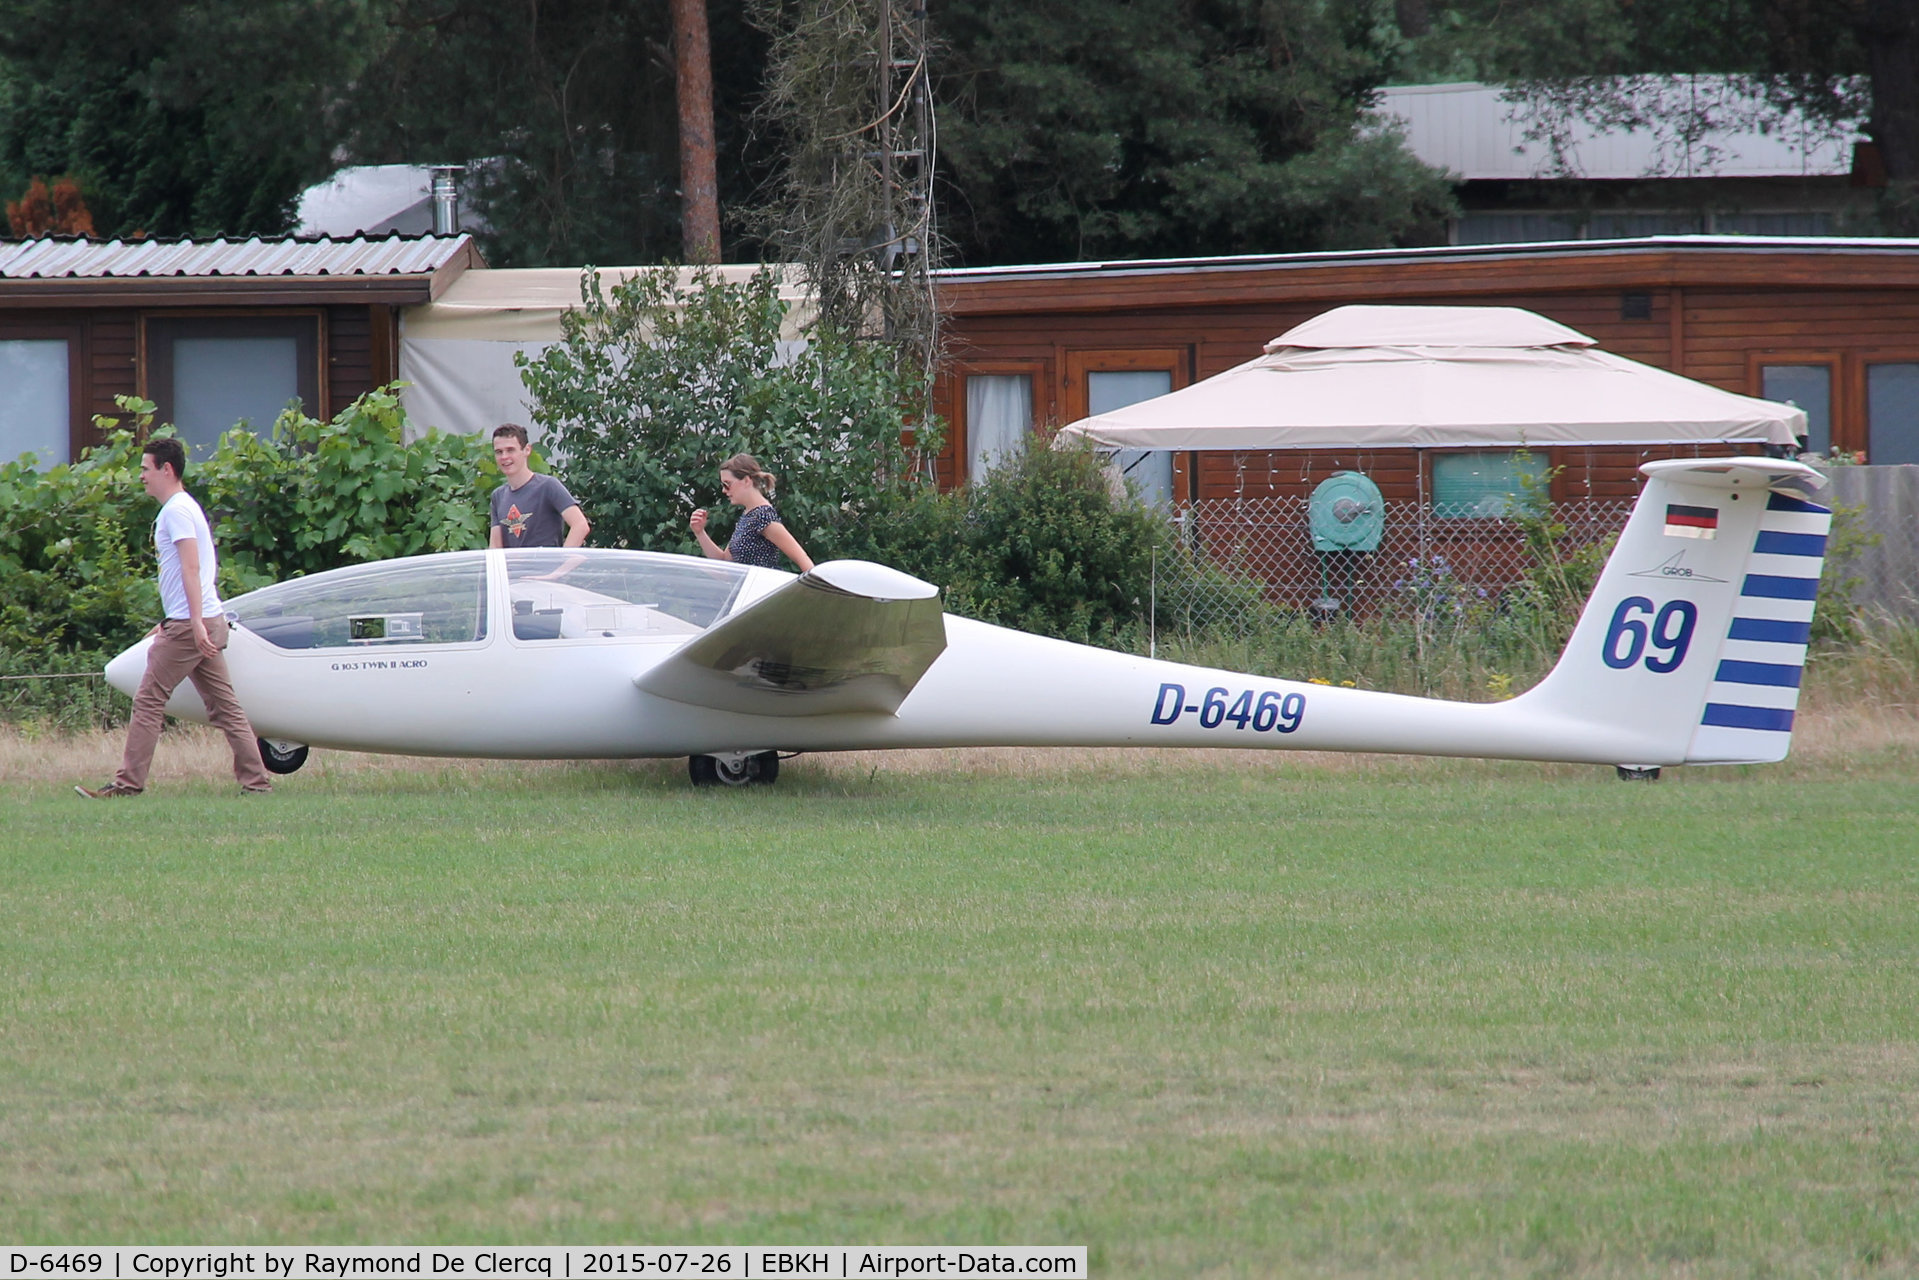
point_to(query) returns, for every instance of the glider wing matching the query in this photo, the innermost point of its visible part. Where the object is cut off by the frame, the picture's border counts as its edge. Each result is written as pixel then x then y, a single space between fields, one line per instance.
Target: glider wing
pixel 847 636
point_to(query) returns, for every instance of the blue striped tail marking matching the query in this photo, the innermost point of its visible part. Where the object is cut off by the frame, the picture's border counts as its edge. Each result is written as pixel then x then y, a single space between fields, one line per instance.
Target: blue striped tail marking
pixel 1771 630
pixel 1730 716
pixel 1773 587
pixel 1780 502
pixel 1790 544
pixel 1776 674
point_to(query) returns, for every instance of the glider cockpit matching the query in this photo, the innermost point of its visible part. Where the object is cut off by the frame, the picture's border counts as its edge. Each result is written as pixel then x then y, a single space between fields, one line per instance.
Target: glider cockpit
pixel 447 599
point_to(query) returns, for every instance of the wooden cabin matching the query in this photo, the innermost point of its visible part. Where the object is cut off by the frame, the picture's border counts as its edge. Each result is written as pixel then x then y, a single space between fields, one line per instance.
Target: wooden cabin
pixel 211 333
pixel 1829 324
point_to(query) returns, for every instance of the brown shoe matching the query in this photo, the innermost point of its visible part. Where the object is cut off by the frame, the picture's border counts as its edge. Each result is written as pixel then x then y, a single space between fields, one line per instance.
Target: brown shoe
pixel 112 791
pixel 256 791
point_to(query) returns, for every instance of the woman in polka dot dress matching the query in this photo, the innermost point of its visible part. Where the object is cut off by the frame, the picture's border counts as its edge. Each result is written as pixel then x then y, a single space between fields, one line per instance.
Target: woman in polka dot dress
pixel 759 538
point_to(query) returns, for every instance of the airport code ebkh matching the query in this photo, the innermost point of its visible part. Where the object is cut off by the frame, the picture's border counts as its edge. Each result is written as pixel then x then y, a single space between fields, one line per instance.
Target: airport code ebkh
pixel 552 1262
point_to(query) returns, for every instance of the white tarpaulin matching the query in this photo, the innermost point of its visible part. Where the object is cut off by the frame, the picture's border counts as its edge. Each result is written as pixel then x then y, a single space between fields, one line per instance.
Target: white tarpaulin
pixel 456 352
pixel 1397 377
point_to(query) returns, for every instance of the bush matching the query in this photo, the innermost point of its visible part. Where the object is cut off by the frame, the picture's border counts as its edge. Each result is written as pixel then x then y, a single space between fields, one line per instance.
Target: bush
pixel 653 385
pixel 316 495
pixel 76 553
pixel 1042 544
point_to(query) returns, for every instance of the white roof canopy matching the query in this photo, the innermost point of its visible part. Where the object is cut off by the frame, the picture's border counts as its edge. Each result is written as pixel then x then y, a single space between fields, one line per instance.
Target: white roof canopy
pixel 524 304
pixel 1398 377
pixel 456 352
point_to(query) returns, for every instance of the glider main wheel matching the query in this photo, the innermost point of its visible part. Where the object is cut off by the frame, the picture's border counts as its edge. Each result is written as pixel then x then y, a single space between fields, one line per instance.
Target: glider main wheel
pixel 742 771
pixel 282 757
pixel 1637 773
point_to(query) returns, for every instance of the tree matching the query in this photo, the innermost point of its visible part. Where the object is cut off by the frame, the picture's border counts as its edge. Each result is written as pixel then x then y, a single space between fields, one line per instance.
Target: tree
pixel 176 118
pixel 1084 129
pixel 848 104
pixel 699 178
pixel 566 112
pixel 654 383
pixel 61 211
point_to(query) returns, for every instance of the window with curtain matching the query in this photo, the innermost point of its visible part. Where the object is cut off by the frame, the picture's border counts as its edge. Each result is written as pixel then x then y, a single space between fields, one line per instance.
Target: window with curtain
pixel 999 416
pixel 1150 470
pixel 1803 386
pixel 1892 414
pixel 1482 486
pixel 35 400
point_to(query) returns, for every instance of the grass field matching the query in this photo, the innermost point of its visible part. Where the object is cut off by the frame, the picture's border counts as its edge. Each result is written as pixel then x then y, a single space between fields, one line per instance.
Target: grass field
pixel 1207 1014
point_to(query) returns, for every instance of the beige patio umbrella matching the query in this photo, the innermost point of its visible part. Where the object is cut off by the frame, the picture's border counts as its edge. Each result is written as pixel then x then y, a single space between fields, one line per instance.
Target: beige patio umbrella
pixel 1396 377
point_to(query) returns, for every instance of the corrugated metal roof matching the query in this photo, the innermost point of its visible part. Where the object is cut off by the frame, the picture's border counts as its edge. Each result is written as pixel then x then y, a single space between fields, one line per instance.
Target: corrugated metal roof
pixel 115 259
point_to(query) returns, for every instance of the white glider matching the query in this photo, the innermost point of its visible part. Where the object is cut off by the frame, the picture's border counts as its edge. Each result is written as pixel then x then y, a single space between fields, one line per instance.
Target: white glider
pixel 1689 652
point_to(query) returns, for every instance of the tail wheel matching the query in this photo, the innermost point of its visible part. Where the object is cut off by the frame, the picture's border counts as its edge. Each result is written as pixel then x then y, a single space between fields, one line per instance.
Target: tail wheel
pixel 282 757
pixel 1637 772
pixel 733 770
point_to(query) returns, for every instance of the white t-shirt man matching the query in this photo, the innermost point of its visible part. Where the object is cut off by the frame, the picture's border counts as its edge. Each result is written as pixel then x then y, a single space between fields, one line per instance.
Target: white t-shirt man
pixel 181 517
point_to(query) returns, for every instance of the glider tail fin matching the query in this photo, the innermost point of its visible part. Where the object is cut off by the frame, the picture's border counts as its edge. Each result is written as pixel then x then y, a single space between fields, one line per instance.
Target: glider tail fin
pixel 1695 637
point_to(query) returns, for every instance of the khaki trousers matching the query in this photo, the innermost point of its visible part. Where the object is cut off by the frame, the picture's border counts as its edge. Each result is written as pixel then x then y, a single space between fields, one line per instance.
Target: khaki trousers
pixel 173 658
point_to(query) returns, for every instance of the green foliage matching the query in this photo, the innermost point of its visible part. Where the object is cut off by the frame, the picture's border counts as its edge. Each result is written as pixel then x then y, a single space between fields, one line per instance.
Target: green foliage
pixel 314 495
pixel 571 106
pixel 653 384
pixel 76 552
pixel 1046 547
pixel 167 139
pixel 1095 130
pixel 1836 619
pixel 49 692
pixel 1042 544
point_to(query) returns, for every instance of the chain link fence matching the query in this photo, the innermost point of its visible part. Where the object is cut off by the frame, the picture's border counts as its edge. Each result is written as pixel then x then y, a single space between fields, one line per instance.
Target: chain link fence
pixel 1263 554
pixel 1262 550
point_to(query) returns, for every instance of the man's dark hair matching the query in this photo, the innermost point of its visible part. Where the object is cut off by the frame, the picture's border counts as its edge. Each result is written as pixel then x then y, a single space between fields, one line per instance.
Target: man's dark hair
pixel 167 452
pixel 513 429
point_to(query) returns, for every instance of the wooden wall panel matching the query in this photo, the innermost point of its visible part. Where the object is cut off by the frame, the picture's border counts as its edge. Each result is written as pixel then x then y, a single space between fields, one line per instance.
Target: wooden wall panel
pixel 111 350
pixel 349 357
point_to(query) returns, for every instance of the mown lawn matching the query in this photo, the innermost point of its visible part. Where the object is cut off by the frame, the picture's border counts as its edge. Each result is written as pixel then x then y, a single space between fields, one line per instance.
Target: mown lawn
pixel 1204 1016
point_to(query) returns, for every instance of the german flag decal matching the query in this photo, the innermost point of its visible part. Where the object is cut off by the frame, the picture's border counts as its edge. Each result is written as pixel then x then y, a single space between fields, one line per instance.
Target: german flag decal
pixel 1691 522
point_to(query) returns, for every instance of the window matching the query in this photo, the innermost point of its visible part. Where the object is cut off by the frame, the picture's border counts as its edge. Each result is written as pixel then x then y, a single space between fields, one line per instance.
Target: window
pixel 1892 414
pixel 1803 386
pixel 1150 470
pixel 1482 486
pixel 999 416
pixel 1510 228
pixel 605 594
pixel 399 602
pixel 36 412
pixel 207 375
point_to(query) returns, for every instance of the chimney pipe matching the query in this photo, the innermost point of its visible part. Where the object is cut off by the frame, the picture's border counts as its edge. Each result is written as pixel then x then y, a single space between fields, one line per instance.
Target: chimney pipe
pixel 446 199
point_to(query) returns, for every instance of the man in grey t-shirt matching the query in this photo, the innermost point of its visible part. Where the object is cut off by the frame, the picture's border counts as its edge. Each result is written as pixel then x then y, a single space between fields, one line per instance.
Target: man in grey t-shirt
pixel 530 509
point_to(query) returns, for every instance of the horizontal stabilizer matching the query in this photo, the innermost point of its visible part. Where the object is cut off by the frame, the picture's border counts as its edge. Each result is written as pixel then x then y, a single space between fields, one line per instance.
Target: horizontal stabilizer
pixel 845 636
